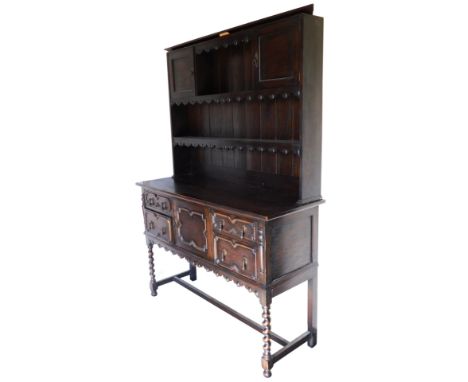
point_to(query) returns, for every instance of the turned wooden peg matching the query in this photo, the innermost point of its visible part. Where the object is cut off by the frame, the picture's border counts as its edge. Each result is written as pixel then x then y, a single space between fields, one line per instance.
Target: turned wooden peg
pixel 153 285
pixel 267 363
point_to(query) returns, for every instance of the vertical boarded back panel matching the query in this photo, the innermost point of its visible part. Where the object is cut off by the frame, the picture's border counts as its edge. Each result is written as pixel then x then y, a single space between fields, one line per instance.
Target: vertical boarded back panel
pixel 252 114
pixel 268 119
pixel 238 120
pixel 285 164
pixel 283 119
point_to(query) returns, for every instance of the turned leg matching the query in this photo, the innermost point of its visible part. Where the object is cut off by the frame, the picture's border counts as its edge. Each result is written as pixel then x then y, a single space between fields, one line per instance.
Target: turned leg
pixel 312 311
pixel 193 272
pixel 153 286
pixel 266 358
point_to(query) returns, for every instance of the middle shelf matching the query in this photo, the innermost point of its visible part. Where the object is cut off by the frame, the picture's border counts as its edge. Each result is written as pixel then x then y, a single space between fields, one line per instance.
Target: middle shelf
pixel 273 146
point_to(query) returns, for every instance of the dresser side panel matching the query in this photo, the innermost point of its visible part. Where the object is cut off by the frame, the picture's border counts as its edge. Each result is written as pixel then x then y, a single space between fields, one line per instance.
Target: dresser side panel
pixel 289 243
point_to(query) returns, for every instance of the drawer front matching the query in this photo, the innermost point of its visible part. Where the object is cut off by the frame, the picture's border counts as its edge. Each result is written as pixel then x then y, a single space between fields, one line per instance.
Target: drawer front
pixel 237 227
pixel 191 226
pixel 157 203
pixel 235 256
pixel 158 225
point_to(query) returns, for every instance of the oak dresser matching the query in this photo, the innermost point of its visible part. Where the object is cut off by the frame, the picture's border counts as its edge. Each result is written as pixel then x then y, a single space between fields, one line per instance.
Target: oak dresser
pixel 243 203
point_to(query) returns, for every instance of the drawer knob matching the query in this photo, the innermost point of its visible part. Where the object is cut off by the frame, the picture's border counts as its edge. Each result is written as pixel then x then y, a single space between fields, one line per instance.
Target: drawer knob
pixel 151 202
pixel 164 205
pixel 150 226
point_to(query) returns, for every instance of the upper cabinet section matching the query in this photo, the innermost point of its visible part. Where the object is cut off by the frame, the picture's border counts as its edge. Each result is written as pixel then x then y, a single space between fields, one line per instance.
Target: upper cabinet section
pixel 277 54
pixel 264 57
pixel 181 73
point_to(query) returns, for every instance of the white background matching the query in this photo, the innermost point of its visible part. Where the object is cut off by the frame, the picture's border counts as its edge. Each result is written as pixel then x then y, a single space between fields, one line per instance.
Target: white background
pixel 84 115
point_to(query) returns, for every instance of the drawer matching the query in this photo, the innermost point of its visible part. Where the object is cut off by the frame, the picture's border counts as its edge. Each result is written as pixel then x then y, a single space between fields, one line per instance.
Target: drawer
pixel 157 203
pixel 235 256
pixel 237 227
pixel 158 226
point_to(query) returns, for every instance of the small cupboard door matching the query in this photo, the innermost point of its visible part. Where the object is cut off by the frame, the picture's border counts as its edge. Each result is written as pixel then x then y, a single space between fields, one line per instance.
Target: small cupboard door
pixel 278 54
pixel 181 72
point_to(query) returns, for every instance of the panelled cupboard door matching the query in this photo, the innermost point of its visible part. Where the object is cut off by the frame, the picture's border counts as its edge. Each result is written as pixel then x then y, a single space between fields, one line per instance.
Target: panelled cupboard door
pixel 278 54
pixel 191 227
pixel 181 72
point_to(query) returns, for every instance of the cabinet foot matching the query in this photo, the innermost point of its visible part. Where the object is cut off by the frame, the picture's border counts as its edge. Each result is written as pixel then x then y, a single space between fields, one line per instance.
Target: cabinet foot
pixel 312 340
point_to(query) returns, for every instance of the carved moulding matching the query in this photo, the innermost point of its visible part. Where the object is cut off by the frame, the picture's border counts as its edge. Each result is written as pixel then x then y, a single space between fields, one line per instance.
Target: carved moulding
pixel 191 242
pixel 206 264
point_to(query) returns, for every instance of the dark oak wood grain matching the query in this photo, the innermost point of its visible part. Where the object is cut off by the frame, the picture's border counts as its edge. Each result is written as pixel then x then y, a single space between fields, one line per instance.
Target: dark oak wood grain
pixel 246 132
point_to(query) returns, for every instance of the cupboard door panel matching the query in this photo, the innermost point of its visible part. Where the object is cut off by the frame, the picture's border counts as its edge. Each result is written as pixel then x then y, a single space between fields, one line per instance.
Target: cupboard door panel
pixel 191 227
pixel 181 73
pixel 278 54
